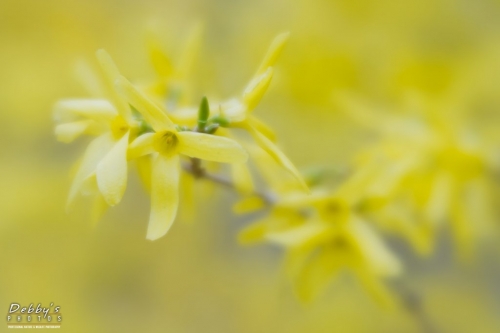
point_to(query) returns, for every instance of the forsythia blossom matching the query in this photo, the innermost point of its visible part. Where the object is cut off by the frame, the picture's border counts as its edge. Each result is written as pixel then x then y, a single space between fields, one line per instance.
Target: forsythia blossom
pixel 104 164
pixel 132 125
pixel 324 235
pixel 427 171
pixel 167 143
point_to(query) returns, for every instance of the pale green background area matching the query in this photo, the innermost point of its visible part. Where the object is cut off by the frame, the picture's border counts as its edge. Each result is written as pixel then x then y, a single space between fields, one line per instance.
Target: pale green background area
pixel 197 278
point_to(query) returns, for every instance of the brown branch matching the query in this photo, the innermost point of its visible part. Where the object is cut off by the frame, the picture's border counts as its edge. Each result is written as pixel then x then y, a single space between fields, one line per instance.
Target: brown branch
pixel 198 171
pixel 412 303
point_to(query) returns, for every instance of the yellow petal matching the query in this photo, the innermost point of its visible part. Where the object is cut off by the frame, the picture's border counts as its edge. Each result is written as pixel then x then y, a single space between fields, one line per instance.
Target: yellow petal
pixel 317 273
pixel 262 127
pixel 72 109
pixel 375 287
pixel 142 145
pixel 439 200
pixel 159 59
pixel 108 65
pixel 277 155
pixel 242 178
pixel 89 79
pixel 111 172
pixel 190 51
pixel 70 131
pixel 256 89
pixel 399 220
pixel 254 233
pixel 149 110
pixel 378 256
pixel 89 185
pixel 144 170
pixel 273 52
pixel 300 236
pixel 164 195
pixel 112 73
pixel 99 207
pixel 188 192
pixel 211 148
pixel 248 205
pixel 95 151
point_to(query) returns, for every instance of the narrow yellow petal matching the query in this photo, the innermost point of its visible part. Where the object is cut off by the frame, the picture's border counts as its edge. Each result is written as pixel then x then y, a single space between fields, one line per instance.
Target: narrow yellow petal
pixel 379 258
pixel 149 110
pixel 99 207
pixel 242 178
pixel 375 287
pixel 111 172
pixel 277 155
pixel 73 109
pixel 248 205
pixel 439 200
pixel 95 151
pixel 70 131
pixel 190 51
pixel 399 220
pixel 354 188
pixel 256 89
pixel 108 65
pixel 211 148
pixel 142 145
pixel 112 73
pixel 299 236
pixel 262 127
pixel 88 78
pixel 254 233
pixel 188 195
pixel 159 59
pixel 144 170
pixel 164 195
pixel 317 273
pixel 273 52
pixel 89 185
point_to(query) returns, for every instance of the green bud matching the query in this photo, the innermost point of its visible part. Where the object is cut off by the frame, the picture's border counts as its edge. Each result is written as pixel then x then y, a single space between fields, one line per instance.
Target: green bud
pixel 222 121
pixel 203 114
pixel 181 128
pixel 210 129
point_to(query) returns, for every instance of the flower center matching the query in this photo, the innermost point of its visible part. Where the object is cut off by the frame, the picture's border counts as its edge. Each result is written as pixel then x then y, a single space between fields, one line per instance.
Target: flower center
pixel 166 142
pixel 119 127
pixel 335 210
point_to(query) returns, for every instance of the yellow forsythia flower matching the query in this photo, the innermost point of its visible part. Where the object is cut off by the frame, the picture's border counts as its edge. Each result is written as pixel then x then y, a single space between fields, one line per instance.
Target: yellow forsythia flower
pixel 166 144
pixel 104 164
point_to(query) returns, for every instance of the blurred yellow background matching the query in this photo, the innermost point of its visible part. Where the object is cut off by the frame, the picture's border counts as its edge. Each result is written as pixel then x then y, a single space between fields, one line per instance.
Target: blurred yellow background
pixel 108 278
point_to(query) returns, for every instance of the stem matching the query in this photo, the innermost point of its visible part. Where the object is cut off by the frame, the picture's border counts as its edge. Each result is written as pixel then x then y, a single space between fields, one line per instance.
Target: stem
pixel 412 303
pixel 198 171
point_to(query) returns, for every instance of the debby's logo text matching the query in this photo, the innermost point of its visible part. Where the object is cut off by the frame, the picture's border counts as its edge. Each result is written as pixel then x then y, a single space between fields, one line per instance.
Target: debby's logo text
pixel 34 316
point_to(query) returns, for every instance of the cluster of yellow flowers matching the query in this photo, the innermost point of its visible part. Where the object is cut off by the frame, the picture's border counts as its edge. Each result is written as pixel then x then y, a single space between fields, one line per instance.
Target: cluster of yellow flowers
pixel 133 123
pixel 410 181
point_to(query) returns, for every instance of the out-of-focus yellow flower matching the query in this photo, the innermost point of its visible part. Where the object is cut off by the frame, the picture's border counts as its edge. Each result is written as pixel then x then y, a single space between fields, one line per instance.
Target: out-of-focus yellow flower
pixel 323 236
pixel 237 112
pixel 280 185
pixel 103 169
pixel 167 143
pixel 433 170
pixel 172 80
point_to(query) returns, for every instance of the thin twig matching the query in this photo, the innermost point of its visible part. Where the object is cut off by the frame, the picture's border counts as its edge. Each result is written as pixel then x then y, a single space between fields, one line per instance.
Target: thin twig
pixel 412 303
pixel 198 171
